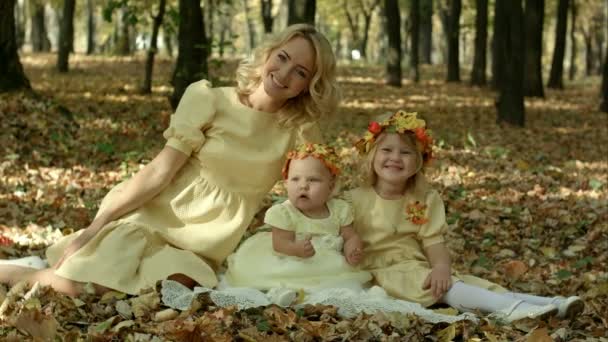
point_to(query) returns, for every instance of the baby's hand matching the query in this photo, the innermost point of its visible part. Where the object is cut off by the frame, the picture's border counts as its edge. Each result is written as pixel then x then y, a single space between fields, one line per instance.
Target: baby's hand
pixel 303 248
pixel 353 250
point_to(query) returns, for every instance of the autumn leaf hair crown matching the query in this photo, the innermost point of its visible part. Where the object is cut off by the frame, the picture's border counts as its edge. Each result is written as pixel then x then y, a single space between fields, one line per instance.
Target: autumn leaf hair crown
pixel 322 152
pixel 400 122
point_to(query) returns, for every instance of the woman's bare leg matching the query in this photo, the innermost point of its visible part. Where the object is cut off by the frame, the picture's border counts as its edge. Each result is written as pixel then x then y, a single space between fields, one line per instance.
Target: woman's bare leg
pixel 11 275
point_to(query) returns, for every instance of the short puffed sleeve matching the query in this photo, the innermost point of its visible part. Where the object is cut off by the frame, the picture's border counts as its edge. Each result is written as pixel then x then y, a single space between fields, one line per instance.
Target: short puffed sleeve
pixel 343 211
pixel 278 216
pixel 432 231
pixel 309 133
pixel 193 115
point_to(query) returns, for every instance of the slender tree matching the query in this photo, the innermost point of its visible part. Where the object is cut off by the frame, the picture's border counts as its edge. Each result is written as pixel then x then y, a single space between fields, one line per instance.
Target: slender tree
pixel 453 41
pixel 301 11
pixel 266 11
pixel 573 47
pixel 557 64
pixel 90 27
pixel 510 44
pixel 38 34
pixel 604 103
pixel 414 36
pixel 533 26
pixel 157 21
pixel 478 73
pixel 426 31
pixel 250 27
pixel 193 50
pixel 12 76
pixel 393 30
pixel 66 35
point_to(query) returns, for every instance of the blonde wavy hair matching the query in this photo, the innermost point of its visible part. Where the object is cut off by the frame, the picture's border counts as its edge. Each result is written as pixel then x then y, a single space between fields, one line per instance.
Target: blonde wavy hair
pixel 322 96
pixel 417 183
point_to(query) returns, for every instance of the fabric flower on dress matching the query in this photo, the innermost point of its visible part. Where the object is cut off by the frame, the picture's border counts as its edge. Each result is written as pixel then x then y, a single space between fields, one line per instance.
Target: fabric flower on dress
pixel 415 212
pixel 399 122
pixel 322 152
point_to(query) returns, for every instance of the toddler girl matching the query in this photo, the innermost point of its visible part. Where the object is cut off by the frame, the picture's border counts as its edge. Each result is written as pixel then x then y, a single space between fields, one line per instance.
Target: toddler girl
pixel 401 221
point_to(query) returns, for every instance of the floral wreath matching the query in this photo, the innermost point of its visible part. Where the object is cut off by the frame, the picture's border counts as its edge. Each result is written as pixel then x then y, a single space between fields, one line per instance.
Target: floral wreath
pixel 322 152
pixel 399 122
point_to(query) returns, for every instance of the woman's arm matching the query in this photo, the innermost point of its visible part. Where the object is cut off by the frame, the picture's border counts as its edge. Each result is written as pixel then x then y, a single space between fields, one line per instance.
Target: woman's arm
pixel 440 278
pixel 145 185
pixel 283 241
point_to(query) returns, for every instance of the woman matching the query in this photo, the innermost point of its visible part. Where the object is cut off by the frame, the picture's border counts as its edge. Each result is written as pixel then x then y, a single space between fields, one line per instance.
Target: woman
pixel 184 213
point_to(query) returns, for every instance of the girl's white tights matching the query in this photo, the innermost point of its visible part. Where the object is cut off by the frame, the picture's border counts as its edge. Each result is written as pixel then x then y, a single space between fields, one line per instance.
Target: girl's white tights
pixel 466 297
pixel 536 300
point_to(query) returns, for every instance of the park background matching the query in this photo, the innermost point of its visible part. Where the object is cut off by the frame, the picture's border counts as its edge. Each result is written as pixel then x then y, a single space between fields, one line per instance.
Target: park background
pixel 514 91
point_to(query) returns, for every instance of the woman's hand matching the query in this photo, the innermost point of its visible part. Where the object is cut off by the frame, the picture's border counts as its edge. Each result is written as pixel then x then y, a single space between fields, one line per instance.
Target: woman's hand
pixel 76 244
pixel 439 280
pixel 353 250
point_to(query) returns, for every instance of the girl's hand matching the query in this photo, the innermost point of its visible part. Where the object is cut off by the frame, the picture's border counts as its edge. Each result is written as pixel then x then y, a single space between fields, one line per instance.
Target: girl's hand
pixel 303 248
pixel 439 280
pixel 353 250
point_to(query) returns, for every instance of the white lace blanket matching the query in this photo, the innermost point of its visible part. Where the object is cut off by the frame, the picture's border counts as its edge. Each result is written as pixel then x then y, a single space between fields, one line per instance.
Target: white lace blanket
pixel 349 302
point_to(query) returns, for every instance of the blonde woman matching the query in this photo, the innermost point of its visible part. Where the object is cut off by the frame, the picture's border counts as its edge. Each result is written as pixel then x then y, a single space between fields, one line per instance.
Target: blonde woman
pixel 185 212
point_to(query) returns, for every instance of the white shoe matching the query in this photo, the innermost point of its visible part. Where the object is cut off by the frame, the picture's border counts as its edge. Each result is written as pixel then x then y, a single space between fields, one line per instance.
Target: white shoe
pixel 282 296
pixel 515 312
pixel 569 307
pixel 31 262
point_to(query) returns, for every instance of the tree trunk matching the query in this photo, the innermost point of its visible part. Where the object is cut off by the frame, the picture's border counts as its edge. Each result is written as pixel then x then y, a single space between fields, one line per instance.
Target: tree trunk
pixel 38 35
pixel 12 76
pixel 496 57
pixel 20 23
pixel 266 11
pixel 604 103
pixel 250 27
pixel 367 19
pixel 533 27
pixel 66 35
pixel 393 30
pixel 557 65
pixel 210 13
pixel 426 31
pixel 510 44
pixel 415 33
pixel 478 74
pixel 453 41
pixel 90 27
pixel 168 38
pixel 123 46
pixel 301 11
pixel 193 51
pixel 157 21
pixel 588 53
pixel 573 46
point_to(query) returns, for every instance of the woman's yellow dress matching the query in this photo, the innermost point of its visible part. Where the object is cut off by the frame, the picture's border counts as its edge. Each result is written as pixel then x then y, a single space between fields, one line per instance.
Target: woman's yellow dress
pixel 236 154
pixel 394 245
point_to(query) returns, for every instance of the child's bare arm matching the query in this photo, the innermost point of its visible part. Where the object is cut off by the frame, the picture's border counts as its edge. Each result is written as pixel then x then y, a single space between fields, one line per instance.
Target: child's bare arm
pixel 440 278
pixel 284 241
pixel 353 246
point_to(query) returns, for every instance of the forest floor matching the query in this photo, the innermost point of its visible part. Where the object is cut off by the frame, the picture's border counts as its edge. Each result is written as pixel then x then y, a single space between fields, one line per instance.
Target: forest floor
pixel 527 207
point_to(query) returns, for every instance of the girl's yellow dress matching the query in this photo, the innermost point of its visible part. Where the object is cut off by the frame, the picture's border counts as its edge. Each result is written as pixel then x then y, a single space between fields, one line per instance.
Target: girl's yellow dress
pixel 394 245
pixel 236 154
pixel 255 264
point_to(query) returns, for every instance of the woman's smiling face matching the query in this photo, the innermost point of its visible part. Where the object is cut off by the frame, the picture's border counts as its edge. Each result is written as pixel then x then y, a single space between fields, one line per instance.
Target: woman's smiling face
pixel 289 69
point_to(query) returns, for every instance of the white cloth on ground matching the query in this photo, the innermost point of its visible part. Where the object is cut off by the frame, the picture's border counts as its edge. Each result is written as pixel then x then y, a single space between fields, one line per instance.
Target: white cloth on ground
pixel 348 301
